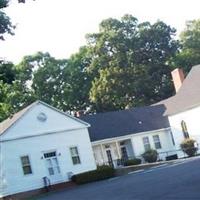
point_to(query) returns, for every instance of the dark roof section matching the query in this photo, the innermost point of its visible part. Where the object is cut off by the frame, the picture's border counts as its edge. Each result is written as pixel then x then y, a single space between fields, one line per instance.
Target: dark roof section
pixel 187 97
pixel 124 122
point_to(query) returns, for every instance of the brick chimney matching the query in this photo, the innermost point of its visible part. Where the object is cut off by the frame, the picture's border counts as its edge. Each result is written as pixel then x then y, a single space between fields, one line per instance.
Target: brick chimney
pixel 79 113
pixel 178 78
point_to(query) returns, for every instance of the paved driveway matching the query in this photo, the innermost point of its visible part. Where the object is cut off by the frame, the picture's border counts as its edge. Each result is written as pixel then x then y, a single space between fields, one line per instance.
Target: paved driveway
pixel 167 182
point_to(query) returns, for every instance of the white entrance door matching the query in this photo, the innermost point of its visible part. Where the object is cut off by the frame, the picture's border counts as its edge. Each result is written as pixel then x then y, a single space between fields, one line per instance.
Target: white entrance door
pixel 52 166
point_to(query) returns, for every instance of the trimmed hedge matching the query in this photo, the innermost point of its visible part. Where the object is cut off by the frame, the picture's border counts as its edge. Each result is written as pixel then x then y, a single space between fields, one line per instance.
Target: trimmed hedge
pixel 135 161
pixel 188 147
pixel 150 155
pixel 102 172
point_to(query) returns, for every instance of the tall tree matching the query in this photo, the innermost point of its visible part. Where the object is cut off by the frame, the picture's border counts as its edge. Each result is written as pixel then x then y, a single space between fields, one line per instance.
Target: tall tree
pixel 6 26
pixel 190 40
pixel 77 95
pixel 118 88
pixel 125 43
pixel 63 83
pixel 7 72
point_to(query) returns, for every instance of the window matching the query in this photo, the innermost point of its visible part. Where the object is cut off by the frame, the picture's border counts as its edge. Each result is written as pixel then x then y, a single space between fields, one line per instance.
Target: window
pixel 50 154
pixel 75 155
pixel 124 153
pixel 26 166
pixel 156 140
pixel 184 129
pixel 146 143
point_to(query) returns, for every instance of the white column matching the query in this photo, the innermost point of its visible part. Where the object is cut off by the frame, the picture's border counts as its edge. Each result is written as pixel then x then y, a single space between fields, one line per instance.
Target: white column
pixel 102 155
pixel 118 151
pixel 132 145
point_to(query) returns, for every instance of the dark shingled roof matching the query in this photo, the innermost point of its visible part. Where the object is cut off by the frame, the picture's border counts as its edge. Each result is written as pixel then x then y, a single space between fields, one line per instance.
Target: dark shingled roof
pixel 124 122
pixel 188 95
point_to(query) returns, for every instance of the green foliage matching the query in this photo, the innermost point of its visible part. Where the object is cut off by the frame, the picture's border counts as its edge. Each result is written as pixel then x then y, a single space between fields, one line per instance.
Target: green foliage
pixel 188 147
pixel 135 161
pixel 5 107
pixel 118 88
pixel 63 83
pixel 150 155
pixel 125 46
pixel 80 81
pixel 6 26
pixel 102 172
pixel 7 72
pixel 125 64
pixel 190 41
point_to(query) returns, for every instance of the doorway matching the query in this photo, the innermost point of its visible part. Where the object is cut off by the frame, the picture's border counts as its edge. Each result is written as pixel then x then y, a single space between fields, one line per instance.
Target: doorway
pixel 52 165
pixel 109 156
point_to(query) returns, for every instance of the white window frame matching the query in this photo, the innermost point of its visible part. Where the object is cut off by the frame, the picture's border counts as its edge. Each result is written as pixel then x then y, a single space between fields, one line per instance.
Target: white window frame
pixel 29 164
pixel 157 143
pixel 75 156
pixel 145 143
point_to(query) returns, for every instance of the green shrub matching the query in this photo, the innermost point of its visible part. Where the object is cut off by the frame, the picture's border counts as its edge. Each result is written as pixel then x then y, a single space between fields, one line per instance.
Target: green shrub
pixel 150 155
pixel 135 161
pixel 102 172
pixel 188 147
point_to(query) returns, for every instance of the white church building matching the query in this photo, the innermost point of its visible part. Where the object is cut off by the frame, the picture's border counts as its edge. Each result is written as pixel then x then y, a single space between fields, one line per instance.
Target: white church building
pixel 41 145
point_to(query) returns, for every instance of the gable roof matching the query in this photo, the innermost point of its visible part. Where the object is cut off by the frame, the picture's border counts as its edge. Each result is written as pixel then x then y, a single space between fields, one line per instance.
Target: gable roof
pixel 124 122
pixel 6 124
pixel 188 95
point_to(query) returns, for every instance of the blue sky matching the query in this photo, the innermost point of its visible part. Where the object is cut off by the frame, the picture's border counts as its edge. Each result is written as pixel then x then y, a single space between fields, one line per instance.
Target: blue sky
pixel 59 26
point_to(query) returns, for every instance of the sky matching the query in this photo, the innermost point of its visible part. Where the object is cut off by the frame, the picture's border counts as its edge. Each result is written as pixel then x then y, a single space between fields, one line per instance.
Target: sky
pixel 59 26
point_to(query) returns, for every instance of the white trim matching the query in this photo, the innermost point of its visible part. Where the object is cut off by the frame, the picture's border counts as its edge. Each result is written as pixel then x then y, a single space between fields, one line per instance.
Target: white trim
pixel 43 133
pixel 102 152
pixel 126 137
pixel 118 151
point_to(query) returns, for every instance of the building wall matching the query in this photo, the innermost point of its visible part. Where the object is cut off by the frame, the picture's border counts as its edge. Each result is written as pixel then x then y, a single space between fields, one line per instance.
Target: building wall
pixel 15 181
pixel 165 140
pixel 135 147
pixel 192 119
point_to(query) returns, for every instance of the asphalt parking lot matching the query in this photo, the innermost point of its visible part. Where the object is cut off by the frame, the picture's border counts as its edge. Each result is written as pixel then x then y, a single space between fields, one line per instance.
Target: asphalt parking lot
pixel 165 182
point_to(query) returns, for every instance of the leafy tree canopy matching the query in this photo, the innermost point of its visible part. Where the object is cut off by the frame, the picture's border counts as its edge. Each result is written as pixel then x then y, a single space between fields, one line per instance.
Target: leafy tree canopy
pixel 190 40
pixel 125 64
pixel 126 45
pixel 6 26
